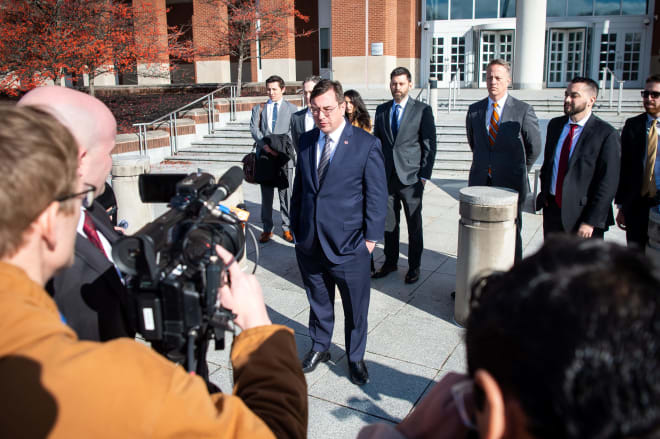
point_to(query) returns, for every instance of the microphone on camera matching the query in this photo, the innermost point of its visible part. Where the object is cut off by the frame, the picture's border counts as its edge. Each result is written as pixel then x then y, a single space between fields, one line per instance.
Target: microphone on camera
pixel 228 183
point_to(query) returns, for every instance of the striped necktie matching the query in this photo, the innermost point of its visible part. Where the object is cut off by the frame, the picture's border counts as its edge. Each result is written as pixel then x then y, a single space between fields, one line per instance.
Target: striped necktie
pixel 651 151
pixel 325 159
pixel 272 128
pixel 494 125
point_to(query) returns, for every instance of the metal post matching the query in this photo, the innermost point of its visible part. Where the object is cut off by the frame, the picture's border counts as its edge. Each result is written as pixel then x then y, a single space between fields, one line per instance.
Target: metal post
pixel 209 127
pixel 171 123
pixel 618 107
pixel 212 113
pixel 449 99
pixel 176 135
pixel 611 87
pixel 603 82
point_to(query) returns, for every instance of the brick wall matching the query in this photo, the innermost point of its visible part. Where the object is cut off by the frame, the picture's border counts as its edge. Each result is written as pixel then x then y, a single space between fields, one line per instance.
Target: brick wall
pixel 209 23
pixel 287 47
pixel 348 20
pixel 152 30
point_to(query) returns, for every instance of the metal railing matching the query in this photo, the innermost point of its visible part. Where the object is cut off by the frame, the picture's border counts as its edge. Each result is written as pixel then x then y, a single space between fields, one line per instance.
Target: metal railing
pixel 171 118
pixel 426 89
pixel 603 87
pixel 454 89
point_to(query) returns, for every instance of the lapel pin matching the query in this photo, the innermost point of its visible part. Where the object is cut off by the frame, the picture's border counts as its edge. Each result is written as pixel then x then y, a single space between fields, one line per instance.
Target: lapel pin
pixel 345 142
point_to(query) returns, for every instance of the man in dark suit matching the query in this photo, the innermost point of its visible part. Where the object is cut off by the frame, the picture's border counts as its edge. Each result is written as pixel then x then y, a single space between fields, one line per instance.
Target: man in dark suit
pixel 504 136
pixel 337 214
pixel 639 181
pixel 580 171
pixel 303 121
pixel 90 294
pixel 273 117
pixel 406 130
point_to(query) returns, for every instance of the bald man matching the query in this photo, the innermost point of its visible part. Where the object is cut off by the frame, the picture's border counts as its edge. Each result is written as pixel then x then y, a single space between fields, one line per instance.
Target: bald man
pixel 90 294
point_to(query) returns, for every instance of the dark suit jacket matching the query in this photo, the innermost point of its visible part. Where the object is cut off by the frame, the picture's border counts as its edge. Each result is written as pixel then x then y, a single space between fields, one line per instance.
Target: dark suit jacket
pixel 349 206
pixel 633 156
pixel 517 145
pixel 297 126
pixel 592 176
pixel 90 294
pixel 412 154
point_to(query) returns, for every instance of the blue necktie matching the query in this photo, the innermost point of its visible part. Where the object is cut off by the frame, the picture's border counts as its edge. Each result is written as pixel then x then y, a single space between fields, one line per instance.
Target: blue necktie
pixel 272 129
pixel 395 120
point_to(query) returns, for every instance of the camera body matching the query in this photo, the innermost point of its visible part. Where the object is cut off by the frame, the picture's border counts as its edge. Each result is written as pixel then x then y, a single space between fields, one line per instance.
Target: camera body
pixel 172 271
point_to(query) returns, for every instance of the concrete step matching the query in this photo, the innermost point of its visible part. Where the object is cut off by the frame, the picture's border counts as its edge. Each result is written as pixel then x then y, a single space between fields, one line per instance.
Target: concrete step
pixel 454 156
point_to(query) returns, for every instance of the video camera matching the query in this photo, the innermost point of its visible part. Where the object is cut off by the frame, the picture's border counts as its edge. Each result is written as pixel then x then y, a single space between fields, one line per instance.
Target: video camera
pixel 172 270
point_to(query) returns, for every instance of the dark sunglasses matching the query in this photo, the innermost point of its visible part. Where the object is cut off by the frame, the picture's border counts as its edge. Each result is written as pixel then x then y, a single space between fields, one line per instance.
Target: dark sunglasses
pixel 87 194
pixel 653 94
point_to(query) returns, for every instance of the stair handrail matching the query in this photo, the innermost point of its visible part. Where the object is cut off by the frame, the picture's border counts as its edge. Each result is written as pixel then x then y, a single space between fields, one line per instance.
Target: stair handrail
pixel 454 88
pixel 426 89
pixel 172 116
pixel 613 78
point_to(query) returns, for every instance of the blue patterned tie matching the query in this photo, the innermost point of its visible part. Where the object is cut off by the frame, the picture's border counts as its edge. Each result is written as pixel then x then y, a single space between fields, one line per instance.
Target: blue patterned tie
pixel 272 128
pixel 395 120
pixel 325 159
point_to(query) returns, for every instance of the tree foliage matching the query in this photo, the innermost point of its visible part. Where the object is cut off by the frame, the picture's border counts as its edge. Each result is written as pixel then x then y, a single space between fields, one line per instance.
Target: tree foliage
pixel 43 40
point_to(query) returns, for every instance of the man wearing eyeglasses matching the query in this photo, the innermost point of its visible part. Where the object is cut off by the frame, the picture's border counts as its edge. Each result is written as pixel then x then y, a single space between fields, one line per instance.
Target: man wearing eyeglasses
pixel 639 181
pixel 57 386
pixel 90 294
pixel 337 215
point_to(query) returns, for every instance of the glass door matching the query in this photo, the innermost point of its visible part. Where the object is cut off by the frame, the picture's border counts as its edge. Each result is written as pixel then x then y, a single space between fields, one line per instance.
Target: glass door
pixel 448 59
pixel 565 56
pixel 621 53
pixel 494 44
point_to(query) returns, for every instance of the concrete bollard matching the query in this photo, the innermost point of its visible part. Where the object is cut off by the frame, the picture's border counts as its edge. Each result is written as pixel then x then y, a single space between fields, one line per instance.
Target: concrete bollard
pixel 653 245
pixel 486 239
pixel 125 172
pixel 433 98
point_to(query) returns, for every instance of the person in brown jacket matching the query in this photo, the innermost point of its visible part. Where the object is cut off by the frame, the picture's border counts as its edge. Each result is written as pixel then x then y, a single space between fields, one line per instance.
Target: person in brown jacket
pixel 54 385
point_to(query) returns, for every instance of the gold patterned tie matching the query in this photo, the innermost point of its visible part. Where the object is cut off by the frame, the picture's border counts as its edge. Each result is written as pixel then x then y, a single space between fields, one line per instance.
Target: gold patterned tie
pixel 649 188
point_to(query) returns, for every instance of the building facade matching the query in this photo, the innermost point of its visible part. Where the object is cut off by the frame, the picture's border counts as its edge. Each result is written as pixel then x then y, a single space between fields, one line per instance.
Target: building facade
pixel 360 41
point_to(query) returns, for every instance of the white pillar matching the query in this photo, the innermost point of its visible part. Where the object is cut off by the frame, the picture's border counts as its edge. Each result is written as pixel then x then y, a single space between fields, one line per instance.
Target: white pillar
pixel 529 44
pixel 125 173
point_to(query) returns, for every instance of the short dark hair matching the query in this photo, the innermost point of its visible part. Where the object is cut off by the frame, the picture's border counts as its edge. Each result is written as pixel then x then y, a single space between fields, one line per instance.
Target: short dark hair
pixel 313 78
pixel 593 85
pixel 573 334
pixel 275 78
pixel 401 71
pixel 324 85
pixel 653 78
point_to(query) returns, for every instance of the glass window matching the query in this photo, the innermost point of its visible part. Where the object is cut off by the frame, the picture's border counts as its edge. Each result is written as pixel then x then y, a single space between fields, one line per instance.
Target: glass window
pixel 437 9
pixel 461 9
pixel 608 7
pixel 458 56
pixel 634 7
pixel 437 64
pixel 324 36
pixel 485 9
pixel 580 7
pixel 556 8
pixel 507 8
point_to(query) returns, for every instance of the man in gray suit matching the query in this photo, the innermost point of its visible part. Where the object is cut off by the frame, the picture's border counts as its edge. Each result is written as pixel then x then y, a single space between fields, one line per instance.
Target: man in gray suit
pixel 303 121
pixel 504 136
pixel 406 130
pixel 273 117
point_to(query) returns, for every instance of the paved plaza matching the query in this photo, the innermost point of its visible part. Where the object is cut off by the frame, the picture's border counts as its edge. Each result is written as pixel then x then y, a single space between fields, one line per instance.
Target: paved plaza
pixel 413 340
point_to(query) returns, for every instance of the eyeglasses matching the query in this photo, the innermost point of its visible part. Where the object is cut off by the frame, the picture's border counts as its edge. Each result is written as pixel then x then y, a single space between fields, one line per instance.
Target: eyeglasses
pixel 326 111
pixel 87 194
pixel 460 392
pixel 646 93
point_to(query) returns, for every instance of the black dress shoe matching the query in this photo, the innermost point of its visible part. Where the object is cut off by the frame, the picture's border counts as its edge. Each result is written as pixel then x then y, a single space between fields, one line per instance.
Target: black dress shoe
pixel 358 372
pixel 412 276
pixel 313 358
pixel 384 271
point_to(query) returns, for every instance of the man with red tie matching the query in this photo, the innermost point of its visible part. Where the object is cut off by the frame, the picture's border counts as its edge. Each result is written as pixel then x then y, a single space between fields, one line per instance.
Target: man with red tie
pixel 89 294
pixel 580 170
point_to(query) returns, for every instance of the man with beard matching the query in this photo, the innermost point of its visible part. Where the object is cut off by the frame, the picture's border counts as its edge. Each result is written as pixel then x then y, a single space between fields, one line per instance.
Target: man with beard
pixel 639 183
pixel 580 170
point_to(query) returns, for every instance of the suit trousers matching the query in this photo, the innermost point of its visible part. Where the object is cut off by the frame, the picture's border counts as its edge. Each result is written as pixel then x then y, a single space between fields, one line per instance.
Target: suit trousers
pixel 267 193
pixel 410 196
pixel 636 215
pixel 552 221
pixel 320 276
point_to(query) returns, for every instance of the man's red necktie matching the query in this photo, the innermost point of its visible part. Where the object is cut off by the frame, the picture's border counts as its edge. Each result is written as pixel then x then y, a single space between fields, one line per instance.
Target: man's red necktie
pixel 563 163
pixel 90 230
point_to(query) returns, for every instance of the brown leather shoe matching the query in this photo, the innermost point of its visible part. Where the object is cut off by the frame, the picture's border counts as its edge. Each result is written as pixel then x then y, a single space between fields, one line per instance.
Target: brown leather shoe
pixel 288 237
pixel 265 237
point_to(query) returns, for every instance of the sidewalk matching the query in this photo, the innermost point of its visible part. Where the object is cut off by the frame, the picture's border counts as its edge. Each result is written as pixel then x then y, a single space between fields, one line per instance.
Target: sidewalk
pixel 413 340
